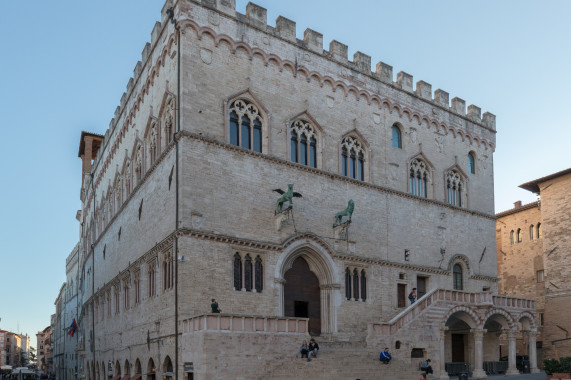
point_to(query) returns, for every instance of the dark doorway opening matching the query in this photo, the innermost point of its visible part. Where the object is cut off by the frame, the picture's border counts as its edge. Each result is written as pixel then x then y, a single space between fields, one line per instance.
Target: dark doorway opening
pixel 301 309
pixel 302 295
pixel 401 295
pixel 458 347
pixel 420 286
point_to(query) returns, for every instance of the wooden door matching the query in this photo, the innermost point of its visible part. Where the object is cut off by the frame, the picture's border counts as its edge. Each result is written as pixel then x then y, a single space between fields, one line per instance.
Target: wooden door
pixel 420 286
pixel 401 295
pixel 302 295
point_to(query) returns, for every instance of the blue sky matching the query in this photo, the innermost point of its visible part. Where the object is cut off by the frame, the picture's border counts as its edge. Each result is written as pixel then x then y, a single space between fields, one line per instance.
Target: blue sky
pixel 65 65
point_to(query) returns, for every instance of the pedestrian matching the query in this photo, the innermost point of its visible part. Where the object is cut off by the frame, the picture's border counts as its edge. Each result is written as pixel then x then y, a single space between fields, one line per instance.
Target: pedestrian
pixel 385 356
pixel 426 367
pixel 423 376
pixel 412 296
pixel 214 306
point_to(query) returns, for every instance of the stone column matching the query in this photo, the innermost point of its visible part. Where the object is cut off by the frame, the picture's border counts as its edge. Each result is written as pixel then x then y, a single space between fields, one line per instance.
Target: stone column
pixel 512 369
pixel 478 372
pixel 532 337
pixel 442 367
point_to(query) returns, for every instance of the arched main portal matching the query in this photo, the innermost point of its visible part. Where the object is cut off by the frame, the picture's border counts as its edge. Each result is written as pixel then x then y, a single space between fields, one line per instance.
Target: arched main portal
pixel 301 295
pixel 307 279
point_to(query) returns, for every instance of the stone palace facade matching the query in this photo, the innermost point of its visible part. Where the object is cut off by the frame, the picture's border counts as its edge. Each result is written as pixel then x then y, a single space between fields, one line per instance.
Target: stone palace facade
pixel 179 207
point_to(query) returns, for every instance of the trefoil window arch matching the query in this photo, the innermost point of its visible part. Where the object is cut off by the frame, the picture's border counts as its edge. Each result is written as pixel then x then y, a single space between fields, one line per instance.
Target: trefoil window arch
pixel 245 125
pixel 352 158
pixel 454 188
pixel 169 120
pixel 303 143
pixel 418 181
pixel 153 142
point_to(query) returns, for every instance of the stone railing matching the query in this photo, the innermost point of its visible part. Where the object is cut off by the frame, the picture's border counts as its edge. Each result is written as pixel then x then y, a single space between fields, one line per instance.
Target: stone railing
pixel 245 323
pixel 513 302
pixel 450 296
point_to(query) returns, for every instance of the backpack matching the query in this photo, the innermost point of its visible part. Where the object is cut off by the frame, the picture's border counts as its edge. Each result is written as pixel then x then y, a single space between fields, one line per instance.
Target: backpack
pixel 410 296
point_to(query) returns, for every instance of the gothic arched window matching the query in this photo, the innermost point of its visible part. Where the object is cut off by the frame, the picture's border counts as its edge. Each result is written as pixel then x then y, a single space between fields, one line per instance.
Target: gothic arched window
pixel 245 125
pixel 531 232
pixel 363 285
pixel 512 239
pixel 396 136
pixel 259 274
pixel 248 273
pixel 355 284
pixel 538 230
pixel 303 143
pixel 471 163
pixel 454 188
pixel 347 283
pixel 518 235
pixel 352 158
pixel 237 272
pixel 418 178
pixel 457 276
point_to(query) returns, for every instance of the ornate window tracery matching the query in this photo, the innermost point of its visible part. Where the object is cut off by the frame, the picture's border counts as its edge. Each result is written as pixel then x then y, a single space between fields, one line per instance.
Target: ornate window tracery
pixel 454 188
pixel 355 284
pixel 352 158
pixel 418 180
pixel 248 275
pixel 303 143
pixel 245 125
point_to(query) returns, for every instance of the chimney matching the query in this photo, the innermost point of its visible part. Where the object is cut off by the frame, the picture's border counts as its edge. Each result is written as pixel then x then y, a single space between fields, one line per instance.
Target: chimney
pixel 517 204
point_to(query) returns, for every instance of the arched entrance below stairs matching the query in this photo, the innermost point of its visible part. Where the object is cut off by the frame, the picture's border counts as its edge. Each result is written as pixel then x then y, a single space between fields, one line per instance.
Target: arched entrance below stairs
pixel 301 295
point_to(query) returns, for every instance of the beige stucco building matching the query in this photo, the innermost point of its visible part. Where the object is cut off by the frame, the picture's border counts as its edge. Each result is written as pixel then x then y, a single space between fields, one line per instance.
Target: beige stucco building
pixel 534 242
pixel 179 206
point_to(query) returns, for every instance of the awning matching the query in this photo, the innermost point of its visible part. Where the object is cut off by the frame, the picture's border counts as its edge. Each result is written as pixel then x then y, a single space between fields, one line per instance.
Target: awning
pixel 126 377
pixel 117 377
pixel 136 377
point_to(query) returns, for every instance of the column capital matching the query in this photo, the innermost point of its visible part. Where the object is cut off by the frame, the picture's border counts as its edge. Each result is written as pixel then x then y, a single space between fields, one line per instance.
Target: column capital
pixel 478 333
pixel 512 334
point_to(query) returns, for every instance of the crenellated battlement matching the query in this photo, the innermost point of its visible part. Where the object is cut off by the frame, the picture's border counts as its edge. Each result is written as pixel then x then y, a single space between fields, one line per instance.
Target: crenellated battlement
pixel 256 16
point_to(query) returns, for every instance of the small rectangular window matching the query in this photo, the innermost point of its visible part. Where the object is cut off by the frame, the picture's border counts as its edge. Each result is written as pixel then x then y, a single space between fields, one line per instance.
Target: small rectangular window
pixel 540 275
pixel 541 319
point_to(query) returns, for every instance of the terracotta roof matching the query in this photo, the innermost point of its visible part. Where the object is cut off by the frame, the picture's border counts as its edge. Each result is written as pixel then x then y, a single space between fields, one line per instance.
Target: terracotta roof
pixel 97 141
pixel 517 209
pixel 533 186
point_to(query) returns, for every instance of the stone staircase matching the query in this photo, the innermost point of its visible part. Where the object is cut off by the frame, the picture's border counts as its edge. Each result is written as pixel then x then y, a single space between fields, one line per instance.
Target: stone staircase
pixel 343 361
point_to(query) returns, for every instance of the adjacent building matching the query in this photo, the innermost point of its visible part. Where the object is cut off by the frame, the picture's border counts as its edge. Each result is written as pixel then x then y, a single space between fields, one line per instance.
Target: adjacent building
pixel 306 193
pixel 14 348
pixel 534 255
pixel 43 351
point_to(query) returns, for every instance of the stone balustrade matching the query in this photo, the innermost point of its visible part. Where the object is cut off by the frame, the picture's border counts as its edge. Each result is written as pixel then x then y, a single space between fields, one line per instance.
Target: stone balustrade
pixel 244 323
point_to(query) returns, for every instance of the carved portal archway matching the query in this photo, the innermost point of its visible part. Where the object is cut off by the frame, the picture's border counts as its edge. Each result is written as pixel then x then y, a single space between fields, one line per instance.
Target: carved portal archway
pixel 307 255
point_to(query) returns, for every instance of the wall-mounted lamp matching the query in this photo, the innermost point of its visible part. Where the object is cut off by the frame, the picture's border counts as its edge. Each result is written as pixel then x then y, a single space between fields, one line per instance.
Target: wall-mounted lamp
pixel 406 254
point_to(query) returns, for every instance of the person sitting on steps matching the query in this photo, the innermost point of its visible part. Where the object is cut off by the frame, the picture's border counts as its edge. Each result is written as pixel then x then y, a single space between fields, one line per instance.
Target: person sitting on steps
pixel 385 356
pixel 313 348
pixel 426 367
pixel 304 350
